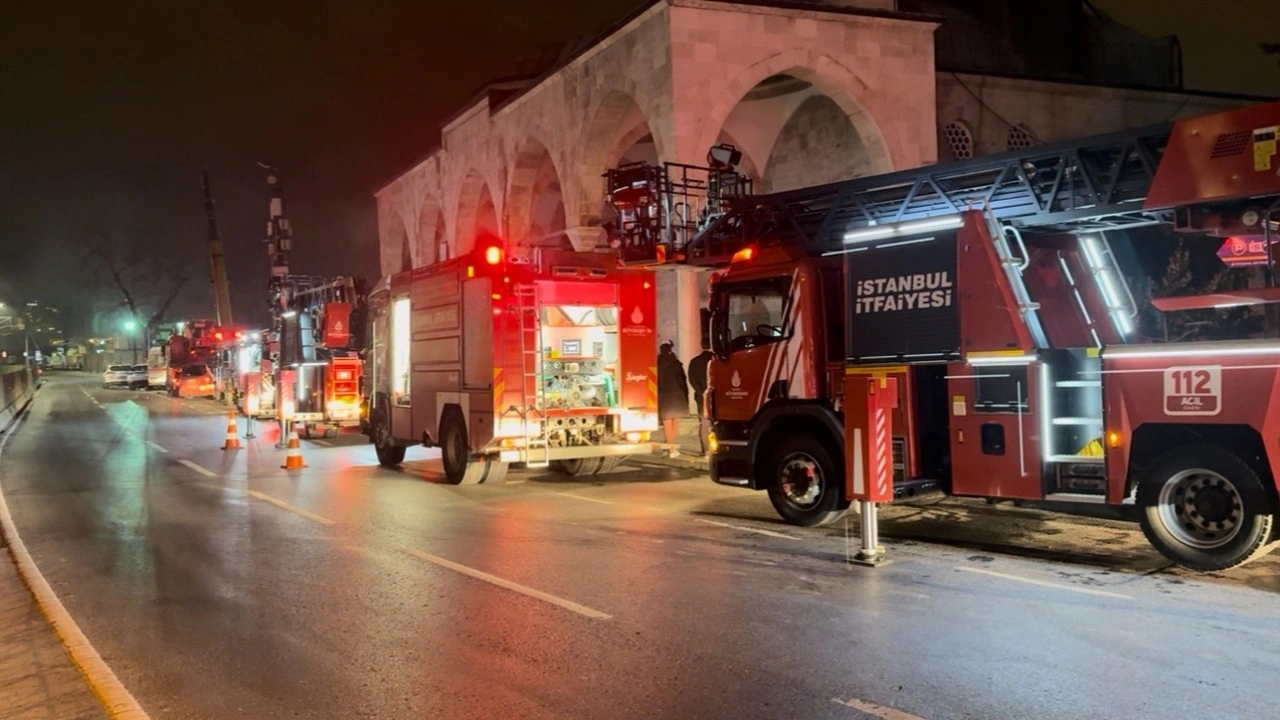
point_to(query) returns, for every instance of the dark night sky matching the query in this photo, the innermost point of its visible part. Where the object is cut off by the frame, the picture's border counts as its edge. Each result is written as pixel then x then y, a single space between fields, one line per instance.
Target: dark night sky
pixel 110 110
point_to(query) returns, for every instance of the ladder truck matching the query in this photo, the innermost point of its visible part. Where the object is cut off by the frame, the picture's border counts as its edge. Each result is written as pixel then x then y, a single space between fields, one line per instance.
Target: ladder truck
pixel 306 367
pixel 965 328
pixel 542 358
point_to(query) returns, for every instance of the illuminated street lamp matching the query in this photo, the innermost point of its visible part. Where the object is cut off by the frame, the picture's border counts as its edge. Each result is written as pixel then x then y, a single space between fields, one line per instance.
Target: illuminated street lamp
pixel 130 325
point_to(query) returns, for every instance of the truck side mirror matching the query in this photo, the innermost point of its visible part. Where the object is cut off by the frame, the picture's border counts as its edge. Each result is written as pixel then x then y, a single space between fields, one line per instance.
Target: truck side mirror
pixel 715 325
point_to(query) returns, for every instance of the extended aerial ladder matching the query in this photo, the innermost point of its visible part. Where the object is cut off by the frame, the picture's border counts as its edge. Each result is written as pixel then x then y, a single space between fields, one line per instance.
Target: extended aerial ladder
pixel 1095 184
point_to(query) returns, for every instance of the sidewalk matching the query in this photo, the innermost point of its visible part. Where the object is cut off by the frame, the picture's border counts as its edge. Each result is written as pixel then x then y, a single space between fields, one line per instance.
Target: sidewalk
pixel 37 679
pixel 687 439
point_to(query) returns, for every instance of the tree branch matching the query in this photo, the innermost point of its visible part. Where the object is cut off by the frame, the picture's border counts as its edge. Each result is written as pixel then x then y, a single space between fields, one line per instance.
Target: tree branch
pixel 163 307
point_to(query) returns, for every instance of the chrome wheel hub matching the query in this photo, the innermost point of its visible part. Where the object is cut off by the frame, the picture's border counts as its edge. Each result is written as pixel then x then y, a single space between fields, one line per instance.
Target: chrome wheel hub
pixel 800 478
pixel 1201 508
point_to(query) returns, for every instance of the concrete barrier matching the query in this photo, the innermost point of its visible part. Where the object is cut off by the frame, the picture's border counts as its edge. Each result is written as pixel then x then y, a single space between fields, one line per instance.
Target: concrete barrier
pixel 16 389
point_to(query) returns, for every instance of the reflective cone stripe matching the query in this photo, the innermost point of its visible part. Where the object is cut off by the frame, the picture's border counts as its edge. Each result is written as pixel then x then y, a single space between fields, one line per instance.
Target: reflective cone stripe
pixel 233 442
pixel 293 460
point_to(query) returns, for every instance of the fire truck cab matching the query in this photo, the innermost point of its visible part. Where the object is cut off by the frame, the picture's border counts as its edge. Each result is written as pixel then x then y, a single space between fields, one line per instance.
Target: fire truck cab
pixel 496 359
pixel 985 301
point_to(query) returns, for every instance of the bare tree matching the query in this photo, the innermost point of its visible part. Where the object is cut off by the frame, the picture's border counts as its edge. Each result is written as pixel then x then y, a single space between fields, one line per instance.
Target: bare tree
pixel 144 281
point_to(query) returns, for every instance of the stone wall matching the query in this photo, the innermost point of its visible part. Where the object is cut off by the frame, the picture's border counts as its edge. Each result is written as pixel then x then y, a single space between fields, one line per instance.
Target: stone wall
pixel 1000 114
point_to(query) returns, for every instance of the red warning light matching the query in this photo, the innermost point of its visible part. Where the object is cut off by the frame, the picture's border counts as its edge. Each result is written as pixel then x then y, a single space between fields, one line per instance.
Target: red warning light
pixel 493 254
pixel 239 334
pixel 344 374
pixel 217 335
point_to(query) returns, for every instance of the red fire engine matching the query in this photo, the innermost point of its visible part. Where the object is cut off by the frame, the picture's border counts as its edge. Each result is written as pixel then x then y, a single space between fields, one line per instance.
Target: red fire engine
pixel 495 359
pixel 306 368
pixel 194 343
pixel 966 328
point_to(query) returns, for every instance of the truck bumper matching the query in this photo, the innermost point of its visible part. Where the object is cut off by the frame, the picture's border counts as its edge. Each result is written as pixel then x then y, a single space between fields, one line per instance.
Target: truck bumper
pixel 572 453
pixel 731 465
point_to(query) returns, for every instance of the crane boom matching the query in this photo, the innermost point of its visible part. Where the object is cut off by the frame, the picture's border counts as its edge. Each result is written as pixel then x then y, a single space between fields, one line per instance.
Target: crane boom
pixel 217 260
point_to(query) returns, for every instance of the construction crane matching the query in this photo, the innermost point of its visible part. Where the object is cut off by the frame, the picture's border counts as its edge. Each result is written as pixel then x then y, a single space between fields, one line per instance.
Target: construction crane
pixel 217 260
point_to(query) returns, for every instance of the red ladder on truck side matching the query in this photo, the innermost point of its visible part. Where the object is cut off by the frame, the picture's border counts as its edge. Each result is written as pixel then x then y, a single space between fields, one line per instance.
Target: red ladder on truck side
pixel 532 401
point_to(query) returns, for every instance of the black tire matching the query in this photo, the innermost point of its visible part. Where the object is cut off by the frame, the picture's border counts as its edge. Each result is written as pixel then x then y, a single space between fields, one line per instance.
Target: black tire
pixel 460 468
pixel 390 454
pixel 1205 508
pixel 496 474
pixel 800 467
pixel 608 464
pixel 579 467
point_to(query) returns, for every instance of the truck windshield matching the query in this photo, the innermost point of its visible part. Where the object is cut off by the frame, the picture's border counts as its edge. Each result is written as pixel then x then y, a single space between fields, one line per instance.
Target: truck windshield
pixel 755 311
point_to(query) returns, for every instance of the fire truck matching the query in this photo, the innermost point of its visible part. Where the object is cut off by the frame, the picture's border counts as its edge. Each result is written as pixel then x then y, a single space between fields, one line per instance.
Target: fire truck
pixel 194 342
pixel 966 328
pixel 540 358
pixel 306 366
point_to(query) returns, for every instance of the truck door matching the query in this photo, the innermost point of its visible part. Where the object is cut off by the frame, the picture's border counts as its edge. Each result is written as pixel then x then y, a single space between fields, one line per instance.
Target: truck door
pixel 753 328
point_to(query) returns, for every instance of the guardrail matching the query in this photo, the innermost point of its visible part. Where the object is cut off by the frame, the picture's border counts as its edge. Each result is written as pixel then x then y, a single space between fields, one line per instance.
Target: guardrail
pixel 16 388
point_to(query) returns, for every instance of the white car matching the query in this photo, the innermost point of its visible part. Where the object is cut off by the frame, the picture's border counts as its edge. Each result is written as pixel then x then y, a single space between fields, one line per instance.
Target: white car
pixel 138 377
pixel 115 375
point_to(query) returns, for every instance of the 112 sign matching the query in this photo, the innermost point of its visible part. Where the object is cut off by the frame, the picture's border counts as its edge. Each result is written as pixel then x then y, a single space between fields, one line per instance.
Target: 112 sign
pixel 1193 390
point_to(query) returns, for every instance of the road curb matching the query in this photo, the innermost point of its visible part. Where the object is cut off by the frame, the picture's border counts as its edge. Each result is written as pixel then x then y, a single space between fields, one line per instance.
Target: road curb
pixel 106 687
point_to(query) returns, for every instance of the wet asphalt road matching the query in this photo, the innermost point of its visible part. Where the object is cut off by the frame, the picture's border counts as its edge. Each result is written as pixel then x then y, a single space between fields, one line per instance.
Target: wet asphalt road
pixel 217 585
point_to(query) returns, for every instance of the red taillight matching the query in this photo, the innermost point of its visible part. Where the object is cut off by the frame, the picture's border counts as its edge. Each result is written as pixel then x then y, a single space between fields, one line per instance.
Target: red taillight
pixel 745 253
pixel 493 254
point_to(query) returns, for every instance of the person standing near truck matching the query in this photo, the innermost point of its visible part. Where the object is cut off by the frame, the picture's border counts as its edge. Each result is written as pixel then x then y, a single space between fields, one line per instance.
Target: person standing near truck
pixel 673 392
pixel 698 367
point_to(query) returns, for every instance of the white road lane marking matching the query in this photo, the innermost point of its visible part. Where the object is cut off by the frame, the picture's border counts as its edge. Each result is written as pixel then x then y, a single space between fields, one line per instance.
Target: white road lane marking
pixel 586 499
pixel 203 471
pixel 876 709
pixel 758 531
pixel 1043 583
pixel 325 443
pixel 156 447
pixel 291 508
pixel 506 584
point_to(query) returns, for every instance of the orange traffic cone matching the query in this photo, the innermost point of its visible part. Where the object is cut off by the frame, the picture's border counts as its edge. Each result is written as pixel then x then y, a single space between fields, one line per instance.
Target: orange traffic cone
pixel 233 442
pixel 293 460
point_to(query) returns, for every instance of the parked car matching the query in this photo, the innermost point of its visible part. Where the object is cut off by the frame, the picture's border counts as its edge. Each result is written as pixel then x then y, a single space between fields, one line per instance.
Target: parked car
pixel 195 380
pixel 138 377
pixel 115 375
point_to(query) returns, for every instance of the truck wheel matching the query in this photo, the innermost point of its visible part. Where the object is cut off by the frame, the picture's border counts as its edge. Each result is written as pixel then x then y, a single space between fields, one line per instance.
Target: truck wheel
pixel 455 452
pixel 806 486
pixel 496 474
pixel 578 467
pixel 608 464
pixel 1205 508
pixel 389 453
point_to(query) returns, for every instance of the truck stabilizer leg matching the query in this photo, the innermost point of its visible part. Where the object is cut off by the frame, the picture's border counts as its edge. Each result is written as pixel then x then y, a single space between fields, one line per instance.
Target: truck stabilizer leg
pixel 871 553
